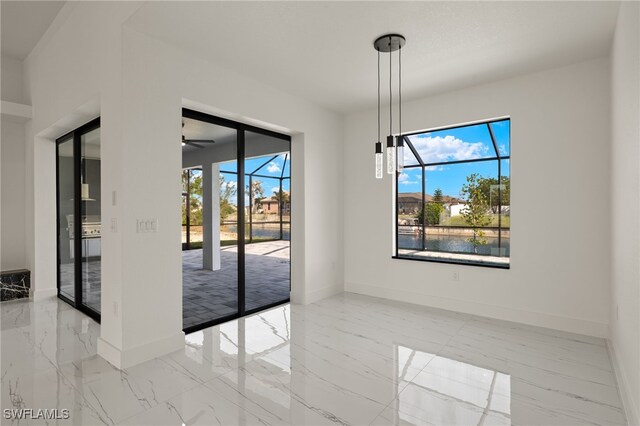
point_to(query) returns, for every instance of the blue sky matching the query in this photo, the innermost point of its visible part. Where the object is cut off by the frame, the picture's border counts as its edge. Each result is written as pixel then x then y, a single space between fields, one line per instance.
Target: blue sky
pixel 272 168
pixel 463 143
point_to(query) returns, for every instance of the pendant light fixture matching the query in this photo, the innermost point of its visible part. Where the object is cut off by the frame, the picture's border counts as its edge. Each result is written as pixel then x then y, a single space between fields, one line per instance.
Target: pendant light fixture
pixel 389 43
pixel 391 148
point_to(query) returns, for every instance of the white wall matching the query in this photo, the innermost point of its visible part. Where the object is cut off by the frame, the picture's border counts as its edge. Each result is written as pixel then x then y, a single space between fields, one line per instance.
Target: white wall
pixel 11 86
pixel 12 169
pixel 72 76
pixel 625 176
pixel 317 135
pixel 560 262
pixel 139 86
pixel 12 230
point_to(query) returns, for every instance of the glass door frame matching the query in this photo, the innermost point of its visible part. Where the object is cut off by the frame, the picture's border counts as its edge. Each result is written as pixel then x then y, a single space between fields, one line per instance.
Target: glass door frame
pixel 241 129
pixel 76 135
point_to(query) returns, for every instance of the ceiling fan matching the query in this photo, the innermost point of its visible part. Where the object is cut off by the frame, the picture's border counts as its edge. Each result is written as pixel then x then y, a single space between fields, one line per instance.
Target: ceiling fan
pixel 196 142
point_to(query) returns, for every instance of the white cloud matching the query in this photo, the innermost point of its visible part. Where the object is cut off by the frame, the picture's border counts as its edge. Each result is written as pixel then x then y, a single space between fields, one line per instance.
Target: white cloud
pixel 404 179
pixel 273 168
pixel 440 149
pixel 275 190
pixel 435 168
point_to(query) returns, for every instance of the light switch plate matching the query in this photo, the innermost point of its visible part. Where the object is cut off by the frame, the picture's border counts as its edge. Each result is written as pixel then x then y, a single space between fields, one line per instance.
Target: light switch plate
pixel 147 225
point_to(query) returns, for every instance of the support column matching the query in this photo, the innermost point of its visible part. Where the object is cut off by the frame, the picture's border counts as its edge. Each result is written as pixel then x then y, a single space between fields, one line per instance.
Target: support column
pixel 211 217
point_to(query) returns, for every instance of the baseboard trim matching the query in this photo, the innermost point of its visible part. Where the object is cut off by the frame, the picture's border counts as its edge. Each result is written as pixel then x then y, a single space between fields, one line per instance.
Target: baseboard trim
pixel 297 298
pixel 628 404
pixel 571 325
pixel 323 293
pixel 46 293
pixel 300 298
pixel 126 358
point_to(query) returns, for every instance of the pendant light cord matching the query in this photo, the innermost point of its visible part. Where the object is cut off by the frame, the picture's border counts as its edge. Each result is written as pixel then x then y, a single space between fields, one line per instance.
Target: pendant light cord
pixel 378 96
pixel 400 89
pixel 390 92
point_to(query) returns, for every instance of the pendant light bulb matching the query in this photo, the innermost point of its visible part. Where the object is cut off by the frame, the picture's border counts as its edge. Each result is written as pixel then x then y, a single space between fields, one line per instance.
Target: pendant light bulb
pixel 400 154
pixel 391 156
pixel 379 160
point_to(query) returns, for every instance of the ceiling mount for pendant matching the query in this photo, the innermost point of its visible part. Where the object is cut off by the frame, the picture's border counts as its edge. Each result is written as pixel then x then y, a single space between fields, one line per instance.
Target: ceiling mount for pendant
pixel 389 43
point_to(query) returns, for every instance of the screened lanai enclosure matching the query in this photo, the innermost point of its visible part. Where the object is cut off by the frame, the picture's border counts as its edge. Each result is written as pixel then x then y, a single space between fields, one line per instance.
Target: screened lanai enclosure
pixel 453 195
pixel 268 218
pixel 236 219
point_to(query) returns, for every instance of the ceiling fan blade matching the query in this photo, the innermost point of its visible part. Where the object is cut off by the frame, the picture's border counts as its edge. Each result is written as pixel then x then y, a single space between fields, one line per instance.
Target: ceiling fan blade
pixel 201 140
pixel 192 143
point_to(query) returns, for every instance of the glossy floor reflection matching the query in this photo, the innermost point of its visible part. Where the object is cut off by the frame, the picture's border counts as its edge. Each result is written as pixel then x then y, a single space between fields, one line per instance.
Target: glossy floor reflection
pixel 348 359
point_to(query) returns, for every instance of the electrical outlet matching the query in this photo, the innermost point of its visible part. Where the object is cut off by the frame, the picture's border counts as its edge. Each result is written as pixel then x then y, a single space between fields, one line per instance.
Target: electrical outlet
pixel 114 225
pixel 456 276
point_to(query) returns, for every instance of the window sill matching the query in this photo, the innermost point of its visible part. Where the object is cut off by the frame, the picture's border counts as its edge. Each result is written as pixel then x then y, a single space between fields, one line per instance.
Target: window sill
pixel 453 261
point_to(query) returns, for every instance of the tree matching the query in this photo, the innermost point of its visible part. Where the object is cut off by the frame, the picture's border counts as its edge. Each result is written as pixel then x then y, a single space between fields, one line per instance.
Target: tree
pixel 489 187
pixel 256 194
pixel 431 214
pixel 194 187
pixel 281 196
pixel 437 196
pixel 283 199
pixel 227 190
pixel 432 211
pixel 475 210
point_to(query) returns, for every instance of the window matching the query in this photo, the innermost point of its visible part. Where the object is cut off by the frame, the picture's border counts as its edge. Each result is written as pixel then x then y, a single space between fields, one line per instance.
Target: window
pixel 453 195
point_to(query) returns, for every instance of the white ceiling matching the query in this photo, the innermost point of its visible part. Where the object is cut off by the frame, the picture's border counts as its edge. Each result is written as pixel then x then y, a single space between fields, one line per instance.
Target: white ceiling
pixel 196 129
pixel 23 23
pixel 322 51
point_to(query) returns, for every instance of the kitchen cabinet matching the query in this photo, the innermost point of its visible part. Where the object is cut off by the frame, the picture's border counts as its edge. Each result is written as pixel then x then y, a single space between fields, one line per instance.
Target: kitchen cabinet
pixel 90 247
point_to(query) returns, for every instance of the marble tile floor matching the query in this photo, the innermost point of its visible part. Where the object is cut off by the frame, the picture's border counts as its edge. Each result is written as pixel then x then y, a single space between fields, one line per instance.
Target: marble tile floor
pixel 348 359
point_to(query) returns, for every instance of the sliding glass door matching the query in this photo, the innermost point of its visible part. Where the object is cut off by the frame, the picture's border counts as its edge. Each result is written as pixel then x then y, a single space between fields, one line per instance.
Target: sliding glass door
pixel 267 203
pixel 66 214
pixel 210 212
pixel 243 200
pixel 79 218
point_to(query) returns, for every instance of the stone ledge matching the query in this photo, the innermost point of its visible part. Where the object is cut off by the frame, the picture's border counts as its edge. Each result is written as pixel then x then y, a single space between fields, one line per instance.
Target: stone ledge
pixel 14 284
